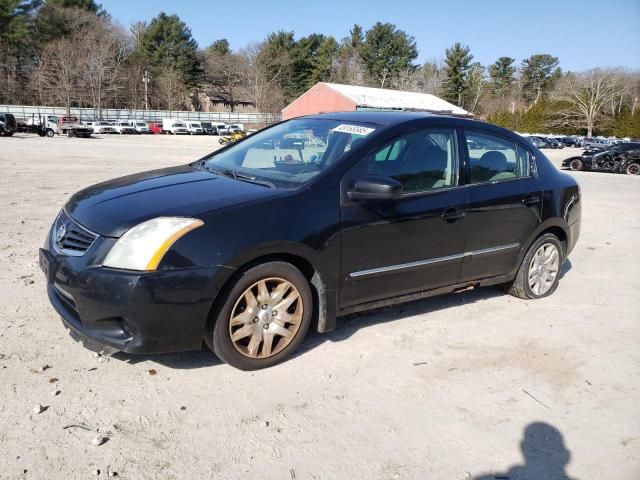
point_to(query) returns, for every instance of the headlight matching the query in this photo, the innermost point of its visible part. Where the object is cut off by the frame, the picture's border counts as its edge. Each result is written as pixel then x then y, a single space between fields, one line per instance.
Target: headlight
pixel 143 246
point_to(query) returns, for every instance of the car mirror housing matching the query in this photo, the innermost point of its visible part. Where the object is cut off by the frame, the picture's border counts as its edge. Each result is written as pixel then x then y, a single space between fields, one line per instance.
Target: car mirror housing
pixel 375 187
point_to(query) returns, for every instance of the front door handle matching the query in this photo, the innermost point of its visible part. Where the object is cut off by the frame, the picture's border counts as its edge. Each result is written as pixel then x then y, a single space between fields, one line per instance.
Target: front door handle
pixel 452 214
pixel 531 200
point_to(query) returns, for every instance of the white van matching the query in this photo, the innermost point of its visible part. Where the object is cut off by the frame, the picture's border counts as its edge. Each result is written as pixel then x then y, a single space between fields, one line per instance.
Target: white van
pixel 141 127
pixel 195 128
pixel 101 127
pixel 175 126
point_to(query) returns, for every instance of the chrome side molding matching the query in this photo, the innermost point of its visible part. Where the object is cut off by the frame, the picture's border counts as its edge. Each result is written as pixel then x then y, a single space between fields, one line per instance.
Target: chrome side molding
pixel 431 261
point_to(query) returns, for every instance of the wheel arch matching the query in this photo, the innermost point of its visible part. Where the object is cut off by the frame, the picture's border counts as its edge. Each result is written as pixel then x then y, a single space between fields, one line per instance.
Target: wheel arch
pixel 557 226
pixel 324 300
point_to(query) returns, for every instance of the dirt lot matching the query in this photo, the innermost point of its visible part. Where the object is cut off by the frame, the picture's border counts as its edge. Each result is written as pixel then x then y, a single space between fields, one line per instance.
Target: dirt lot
pixel 438 389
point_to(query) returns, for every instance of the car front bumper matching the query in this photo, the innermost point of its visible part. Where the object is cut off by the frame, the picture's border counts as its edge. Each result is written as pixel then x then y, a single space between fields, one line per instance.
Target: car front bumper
pixel 133 312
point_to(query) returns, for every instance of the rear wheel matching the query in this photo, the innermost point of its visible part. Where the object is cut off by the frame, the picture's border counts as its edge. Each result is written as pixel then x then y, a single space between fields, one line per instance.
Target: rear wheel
pixel 576 164
pixel 539 273
pixel 264 318
pixel 632 169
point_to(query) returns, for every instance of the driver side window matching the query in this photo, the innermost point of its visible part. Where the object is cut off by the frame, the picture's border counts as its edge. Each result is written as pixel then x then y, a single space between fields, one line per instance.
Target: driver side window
pixel 422 160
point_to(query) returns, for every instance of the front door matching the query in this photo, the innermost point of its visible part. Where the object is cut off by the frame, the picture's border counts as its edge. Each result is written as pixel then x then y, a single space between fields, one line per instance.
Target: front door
pixel 413 243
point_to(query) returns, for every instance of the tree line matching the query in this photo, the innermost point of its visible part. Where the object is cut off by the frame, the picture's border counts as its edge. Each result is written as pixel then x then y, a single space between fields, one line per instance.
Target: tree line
pixel 72 53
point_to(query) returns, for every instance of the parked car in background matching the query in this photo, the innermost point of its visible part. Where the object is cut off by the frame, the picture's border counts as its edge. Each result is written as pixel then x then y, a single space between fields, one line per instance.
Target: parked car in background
pixel 101 127
pixel 618 158
pixel 124 127
pixel 555 142
pixel 596 144
pixel 174 126
pixel 141 127
pixel 8 124
pixel 195 128
pixel 571 141
pixel 376 208
pixel 537 142
pixel 155 128
pixel 207 128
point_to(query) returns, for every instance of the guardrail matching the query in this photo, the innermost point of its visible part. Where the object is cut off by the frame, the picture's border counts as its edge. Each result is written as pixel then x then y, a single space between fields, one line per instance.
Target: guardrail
pixel 90 114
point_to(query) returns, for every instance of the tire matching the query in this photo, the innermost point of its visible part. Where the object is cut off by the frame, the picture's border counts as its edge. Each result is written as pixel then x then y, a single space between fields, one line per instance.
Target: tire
pixel 521 286
pixel 576 165
pixel 50 133
pixel 237 352
pixel 632 168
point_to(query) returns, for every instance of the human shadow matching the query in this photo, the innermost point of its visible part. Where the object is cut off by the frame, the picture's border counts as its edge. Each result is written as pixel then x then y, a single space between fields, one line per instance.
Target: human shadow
pixel 545 456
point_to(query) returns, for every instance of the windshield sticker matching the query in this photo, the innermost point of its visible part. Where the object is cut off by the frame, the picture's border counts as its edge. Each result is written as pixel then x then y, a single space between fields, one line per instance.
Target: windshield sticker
pixel 354 129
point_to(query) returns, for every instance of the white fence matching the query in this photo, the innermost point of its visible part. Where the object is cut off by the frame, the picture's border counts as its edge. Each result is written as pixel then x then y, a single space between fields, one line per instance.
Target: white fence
pixel 89 114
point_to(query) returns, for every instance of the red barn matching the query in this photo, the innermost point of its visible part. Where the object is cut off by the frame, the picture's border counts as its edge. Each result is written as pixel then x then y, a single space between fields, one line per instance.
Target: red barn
pixel 333 97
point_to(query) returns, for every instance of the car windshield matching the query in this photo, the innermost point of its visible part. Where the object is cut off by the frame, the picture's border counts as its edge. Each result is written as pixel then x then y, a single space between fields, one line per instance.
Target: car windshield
pixel 291 153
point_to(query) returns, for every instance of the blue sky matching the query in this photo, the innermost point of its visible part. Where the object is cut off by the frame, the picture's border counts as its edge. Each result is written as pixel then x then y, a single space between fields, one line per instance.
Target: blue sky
pixel 583 34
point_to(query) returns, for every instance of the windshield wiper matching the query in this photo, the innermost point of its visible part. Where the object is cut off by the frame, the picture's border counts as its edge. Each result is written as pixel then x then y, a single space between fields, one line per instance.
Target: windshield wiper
pixel 228 172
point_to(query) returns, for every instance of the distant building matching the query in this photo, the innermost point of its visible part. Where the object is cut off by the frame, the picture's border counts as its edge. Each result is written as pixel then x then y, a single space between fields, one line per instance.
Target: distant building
pixel 332 97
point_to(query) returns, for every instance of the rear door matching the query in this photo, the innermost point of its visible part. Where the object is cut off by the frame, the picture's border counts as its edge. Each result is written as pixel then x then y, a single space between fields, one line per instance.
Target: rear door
pixel 505 203
pixel 410 244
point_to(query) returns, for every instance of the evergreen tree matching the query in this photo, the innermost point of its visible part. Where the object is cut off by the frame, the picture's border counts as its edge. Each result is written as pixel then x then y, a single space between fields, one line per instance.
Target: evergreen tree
pixel 458 62
pixel 387 52
pixel 60 18
pixel 539 73
pixel 502 74
pixel 167 43
pixel 220 47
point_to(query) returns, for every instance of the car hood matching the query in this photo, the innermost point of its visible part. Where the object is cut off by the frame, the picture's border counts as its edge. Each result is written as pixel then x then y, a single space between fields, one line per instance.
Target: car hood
pixel 111 208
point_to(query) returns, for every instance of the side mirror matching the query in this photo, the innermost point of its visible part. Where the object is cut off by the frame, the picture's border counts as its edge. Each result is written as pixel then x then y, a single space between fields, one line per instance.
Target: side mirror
pixel 374 187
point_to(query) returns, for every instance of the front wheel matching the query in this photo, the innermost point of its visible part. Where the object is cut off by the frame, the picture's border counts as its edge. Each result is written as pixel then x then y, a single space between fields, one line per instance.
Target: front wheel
pixel 539 273
pixel 50 133
pixel 263 319
pixel 632 169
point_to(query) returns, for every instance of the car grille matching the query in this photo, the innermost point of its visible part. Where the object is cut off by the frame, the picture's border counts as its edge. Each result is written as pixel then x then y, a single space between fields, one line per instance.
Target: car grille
pixel 69 238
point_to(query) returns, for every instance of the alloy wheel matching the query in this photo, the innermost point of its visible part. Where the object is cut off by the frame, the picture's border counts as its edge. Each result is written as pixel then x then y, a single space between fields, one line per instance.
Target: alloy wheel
pixel 266 318
pixel 543 268
pixel 633 169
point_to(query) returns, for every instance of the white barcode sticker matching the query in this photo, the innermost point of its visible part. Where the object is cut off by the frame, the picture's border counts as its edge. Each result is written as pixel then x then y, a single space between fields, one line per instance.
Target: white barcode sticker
pixel 353 129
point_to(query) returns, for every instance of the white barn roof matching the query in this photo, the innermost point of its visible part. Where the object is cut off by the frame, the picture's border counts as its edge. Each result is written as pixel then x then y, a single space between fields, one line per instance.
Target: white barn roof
pixel 395 99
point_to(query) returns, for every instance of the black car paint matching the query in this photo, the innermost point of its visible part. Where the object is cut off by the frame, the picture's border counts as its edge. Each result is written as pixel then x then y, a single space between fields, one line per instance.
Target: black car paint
pixel 316 227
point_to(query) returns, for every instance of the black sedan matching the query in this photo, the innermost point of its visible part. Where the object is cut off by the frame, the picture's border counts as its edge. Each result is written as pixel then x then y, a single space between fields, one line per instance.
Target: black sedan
pixel 310 219
pixel 619 158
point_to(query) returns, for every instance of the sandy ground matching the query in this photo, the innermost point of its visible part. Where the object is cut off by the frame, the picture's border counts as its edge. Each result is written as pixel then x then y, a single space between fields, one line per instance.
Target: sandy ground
pixel 443 388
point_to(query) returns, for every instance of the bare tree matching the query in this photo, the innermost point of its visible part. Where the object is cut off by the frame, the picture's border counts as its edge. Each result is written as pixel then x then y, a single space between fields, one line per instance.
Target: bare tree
pixel 104 52
pixel 261 81
pixel 58 75
pixel 226 77
pixel 170 89
pixel 586 94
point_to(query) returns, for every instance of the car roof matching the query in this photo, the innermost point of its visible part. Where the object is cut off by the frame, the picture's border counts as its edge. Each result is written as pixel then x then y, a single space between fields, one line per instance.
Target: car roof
pixel 379 117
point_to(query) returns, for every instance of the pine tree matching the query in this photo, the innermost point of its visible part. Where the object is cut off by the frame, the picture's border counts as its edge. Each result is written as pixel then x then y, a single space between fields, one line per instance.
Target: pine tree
pixel 502 74
pixel 539 73
pixel 167 43
pixel 387 52
pixel 458 62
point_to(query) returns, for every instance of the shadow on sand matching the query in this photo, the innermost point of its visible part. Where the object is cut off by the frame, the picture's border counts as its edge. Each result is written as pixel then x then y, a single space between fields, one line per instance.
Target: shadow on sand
pixel 545 456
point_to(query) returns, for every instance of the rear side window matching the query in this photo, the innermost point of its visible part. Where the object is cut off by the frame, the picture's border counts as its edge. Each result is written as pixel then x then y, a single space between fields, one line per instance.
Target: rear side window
pixel 421 160
pixel 493 158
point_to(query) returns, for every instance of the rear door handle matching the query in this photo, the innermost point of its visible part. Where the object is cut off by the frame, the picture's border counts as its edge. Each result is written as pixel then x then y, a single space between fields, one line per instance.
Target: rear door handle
pixel 531 200
pixel 452 214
